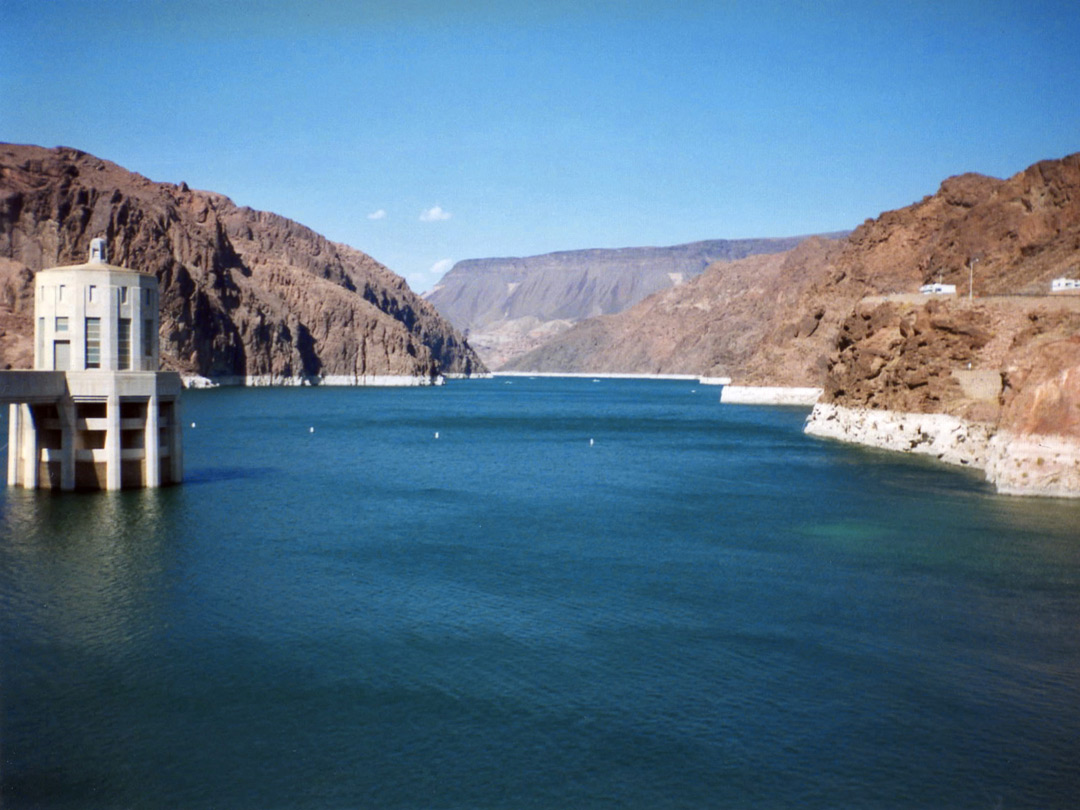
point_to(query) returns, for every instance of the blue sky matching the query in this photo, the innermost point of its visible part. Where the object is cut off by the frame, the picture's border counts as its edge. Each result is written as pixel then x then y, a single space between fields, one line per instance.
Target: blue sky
pixel 427 132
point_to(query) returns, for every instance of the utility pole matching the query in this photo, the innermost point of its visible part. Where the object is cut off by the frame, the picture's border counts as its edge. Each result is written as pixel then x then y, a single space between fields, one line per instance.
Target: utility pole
pixel 971 278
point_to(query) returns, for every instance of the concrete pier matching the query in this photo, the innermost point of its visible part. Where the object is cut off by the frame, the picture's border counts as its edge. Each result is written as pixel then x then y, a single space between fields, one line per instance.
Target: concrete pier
pixel 95 413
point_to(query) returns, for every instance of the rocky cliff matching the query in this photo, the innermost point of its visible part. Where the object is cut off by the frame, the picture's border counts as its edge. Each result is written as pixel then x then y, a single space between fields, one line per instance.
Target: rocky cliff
pixel 246 295
pixel 992 380
pixel 777 320
pixel 713 325
pixel 992 383
pixel 1002 237
pixel 510 305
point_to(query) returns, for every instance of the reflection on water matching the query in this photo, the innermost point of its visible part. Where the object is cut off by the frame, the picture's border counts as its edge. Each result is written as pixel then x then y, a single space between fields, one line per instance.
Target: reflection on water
pixel 93 560
pixel 210 475
pixel 704 608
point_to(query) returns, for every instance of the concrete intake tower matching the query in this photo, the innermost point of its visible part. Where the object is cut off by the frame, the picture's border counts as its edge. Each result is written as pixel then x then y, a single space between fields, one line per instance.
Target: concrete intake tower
pixel 95 413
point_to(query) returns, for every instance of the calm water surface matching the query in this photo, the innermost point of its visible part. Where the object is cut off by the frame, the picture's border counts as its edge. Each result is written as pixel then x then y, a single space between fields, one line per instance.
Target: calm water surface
pixel 701 609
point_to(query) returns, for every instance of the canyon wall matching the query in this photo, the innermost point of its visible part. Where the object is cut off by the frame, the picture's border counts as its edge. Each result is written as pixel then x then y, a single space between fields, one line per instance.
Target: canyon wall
pixel 899 369
pixel 512 305
pixel 714 325
pixel 1003 364
pixel 245 295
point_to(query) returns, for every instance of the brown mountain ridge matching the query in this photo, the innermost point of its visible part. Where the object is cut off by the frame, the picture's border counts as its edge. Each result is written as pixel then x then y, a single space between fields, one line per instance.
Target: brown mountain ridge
pixel 775 320
pixel 1001 358
pixel 509 306
pixel 247 296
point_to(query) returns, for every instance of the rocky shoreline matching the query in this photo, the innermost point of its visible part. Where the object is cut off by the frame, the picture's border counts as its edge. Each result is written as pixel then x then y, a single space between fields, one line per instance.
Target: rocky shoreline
pixel 598 375
pixel 769 395
pixel 337 380
pixel 1033 464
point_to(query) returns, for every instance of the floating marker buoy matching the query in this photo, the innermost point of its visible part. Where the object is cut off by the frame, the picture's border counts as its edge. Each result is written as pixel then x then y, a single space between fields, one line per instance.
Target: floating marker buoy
pixel 436 434
pixel 311 430
pixel 590 442
pixel 193 424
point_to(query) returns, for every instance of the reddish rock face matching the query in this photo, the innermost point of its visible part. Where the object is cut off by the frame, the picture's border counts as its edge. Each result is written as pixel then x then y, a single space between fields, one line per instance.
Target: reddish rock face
pixel 1042 388
pixel 718 324
pixel 16 315
pixel 847 315
pixel 512 305
pixel 1002 361
pixel 243 292
pixel 1011 237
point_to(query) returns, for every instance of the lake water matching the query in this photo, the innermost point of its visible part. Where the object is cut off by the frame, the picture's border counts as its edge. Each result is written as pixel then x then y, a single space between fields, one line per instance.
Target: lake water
pixel 698 608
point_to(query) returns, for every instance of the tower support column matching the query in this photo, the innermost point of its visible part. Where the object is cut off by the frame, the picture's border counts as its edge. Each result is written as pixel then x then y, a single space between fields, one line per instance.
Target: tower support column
pixel 28 445
pixel 112 442
pixel 176 444
pixel 151 445
pixel 66 409
pixel 14 448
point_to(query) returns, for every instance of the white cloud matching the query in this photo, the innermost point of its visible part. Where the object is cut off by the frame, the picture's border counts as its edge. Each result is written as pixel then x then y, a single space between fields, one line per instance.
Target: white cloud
pixel 440 267
pixel 424 281
pixel 380 214
pixel 435 214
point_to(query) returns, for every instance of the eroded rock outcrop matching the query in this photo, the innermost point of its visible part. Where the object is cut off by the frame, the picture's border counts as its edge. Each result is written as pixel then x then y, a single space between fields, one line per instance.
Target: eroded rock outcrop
pixel 513 305
pixel 991 383
pixel 246 295
pixel 714 325
pixel 1003 363
pixel 985 378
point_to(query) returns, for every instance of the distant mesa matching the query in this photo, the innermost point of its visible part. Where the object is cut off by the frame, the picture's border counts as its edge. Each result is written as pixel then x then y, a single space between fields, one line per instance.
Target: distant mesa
pixel 711 326
pixel 511 305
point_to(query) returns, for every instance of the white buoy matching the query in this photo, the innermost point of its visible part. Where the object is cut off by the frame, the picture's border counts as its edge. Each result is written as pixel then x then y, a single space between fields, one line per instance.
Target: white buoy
pixel 193 424
pixel 436 434
pixel 590 442
pixel 311 430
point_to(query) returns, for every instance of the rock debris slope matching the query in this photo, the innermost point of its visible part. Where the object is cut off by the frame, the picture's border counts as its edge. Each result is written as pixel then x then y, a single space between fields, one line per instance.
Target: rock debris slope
pixel 777 320
pixel 713 325
pixel 994 381
pixel 247 296
pixel 511 305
